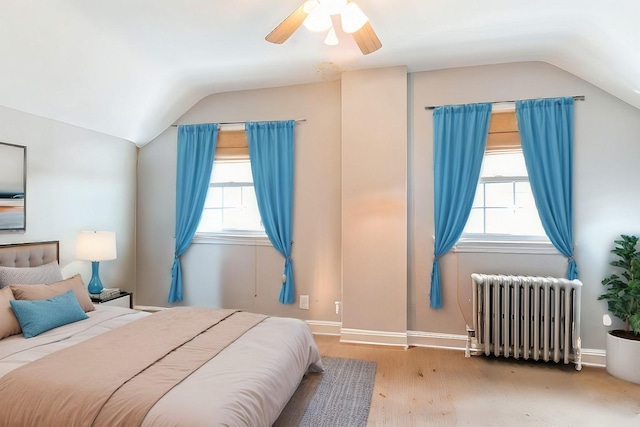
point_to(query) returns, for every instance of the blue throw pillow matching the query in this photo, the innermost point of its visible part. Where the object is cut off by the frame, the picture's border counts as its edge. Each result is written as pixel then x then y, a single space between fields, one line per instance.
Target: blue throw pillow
pixel 38 316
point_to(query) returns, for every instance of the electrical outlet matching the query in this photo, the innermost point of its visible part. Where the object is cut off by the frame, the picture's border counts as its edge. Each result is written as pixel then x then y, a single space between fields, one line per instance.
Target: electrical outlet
pixel 304 302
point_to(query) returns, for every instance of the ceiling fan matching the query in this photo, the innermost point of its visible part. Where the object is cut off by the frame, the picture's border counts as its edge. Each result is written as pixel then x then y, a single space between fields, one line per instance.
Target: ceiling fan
pixel 316 16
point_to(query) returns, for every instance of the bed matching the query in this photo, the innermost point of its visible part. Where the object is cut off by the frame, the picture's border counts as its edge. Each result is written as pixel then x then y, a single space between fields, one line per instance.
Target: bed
pixel 56 377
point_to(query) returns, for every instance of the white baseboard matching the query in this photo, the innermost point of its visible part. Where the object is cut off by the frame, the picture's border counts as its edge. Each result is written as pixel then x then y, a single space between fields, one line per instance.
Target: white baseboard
pixel 594 357
pixel 319 327
pixel 590 356
pixel 437 340
pixel 363 336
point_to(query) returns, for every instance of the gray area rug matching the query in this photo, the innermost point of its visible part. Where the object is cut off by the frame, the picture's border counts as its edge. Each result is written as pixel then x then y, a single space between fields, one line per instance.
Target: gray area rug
pixel 340 396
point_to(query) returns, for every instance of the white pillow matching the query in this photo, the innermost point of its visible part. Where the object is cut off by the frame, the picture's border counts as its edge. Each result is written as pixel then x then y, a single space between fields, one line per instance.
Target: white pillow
pixel 47 273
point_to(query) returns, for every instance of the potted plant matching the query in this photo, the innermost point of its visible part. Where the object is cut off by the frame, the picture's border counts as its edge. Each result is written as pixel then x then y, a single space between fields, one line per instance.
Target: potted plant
pixel 623 300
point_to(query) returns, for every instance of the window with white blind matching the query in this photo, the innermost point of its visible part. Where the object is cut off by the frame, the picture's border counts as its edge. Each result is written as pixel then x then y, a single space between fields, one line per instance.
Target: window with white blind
pixel 231 207
pixel 503 207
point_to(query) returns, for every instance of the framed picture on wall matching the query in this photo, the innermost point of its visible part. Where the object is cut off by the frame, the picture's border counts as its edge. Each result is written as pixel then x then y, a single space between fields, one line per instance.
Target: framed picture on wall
pixel 13 186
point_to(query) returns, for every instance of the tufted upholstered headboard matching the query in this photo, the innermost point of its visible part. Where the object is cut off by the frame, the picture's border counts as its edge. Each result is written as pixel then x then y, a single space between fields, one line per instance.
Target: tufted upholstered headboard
pixel 30 254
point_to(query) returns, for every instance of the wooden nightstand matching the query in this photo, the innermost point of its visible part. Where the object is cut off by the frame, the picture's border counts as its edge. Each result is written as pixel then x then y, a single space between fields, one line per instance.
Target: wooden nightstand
pixel 125 299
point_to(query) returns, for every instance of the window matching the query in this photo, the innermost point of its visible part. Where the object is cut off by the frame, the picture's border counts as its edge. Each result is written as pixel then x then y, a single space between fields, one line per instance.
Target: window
pixel 503 207
pixel 231 206
pixel 504 204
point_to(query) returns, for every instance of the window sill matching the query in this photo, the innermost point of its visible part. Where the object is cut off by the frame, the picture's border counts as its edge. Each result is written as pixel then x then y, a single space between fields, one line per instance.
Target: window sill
pixel 531 247
pixel 238 239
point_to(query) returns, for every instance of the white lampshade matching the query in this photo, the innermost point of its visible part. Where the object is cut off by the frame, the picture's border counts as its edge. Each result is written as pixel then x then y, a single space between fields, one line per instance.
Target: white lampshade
pixel 353 18
pixel 96 245
pixel 317 20
pixel 331 39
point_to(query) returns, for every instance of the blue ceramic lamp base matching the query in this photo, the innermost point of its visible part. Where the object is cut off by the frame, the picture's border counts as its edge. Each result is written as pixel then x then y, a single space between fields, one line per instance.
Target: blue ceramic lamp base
pixel 95 285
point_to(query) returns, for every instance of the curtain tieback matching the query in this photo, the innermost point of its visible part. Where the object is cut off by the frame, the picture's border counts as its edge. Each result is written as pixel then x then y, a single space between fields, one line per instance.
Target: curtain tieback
pixel 570 258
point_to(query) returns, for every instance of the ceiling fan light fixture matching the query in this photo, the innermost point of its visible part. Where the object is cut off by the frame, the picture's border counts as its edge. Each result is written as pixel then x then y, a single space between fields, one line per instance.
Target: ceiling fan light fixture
pixel 353 18
pixel 331 39
pixel 317 20
pixel 314 14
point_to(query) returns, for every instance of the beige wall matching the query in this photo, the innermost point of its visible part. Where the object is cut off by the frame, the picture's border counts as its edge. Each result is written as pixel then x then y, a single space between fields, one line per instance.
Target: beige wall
pixel 76 180
pixel 606 200
pixel 249 277
pixel 374 202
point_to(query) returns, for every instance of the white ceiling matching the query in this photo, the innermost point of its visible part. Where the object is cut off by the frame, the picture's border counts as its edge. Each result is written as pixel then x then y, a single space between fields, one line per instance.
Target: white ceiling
pixel 130 68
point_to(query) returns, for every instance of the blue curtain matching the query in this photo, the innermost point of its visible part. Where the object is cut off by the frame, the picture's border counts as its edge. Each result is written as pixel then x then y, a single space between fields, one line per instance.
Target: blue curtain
pixel 271 155
pixel 196 150
pixel 546 132
pixel 460 137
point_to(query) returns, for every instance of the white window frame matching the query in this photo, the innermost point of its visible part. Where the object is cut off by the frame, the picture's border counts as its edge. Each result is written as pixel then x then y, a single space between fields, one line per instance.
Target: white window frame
pixel 237 239
pixel 504 243
pixel 232 237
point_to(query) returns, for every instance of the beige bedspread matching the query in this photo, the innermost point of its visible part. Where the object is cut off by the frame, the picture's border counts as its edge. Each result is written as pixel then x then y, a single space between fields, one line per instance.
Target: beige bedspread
pixel 117 377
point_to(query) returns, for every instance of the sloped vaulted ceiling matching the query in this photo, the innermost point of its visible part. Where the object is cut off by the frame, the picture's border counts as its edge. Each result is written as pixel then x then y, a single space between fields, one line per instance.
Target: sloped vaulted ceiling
pixel 130 68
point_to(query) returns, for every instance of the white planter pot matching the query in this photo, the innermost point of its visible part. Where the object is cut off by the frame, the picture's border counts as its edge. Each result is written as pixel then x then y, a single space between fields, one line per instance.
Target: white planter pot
pixel 622 358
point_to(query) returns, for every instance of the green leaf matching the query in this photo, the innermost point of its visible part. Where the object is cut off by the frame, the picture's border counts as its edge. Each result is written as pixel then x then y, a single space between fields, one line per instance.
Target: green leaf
pixel 634 323
pixel 623 287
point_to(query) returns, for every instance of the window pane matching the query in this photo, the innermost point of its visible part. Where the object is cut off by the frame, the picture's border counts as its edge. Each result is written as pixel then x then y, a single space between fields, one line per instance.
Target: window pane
pixel 211 220
pixel 498 220
pixel 478 200
pixel 252 214
pixel 511 164
pixel 214 198
pixel 232 197
pixel 526 211
pixel 475 224
pixel 499 194
pixel 232 171
pixel 524 196
pixel 503 203
pixel 231 200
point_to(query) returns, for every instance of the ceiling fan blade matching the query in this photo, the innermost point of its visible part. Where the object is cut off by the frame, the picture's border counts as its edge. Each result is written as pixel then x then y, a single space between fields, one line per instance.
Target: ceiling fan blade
pixel 367 39
pixel 282 32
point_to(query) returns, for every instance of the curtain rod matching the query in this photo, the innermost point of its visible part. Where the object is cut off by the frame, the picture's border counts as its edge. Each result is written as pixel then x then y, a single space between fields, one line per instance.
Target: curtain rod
pixel 241 123
pixel 575 98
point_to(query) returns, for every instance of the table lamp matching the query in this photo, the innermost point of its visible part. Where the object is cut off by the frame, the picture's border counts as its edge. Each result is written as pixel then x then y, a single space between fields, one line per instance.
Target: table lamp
pixel 96 246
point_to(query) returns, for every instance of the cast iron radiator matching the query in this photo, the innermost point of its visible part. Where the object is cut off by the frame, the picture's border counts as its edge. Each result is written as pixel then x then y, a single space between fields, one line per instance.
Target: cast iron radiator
pixel 526 317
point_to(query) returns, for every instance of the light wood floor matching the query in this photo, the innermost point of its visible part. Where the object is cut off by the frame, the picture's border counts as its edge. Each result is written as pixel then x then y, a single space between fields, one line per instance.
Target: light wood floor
pixel 430 387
